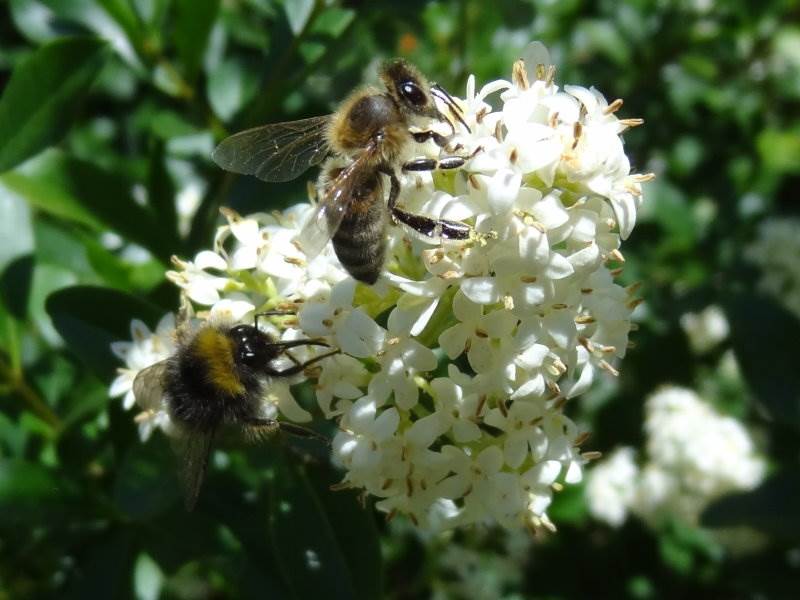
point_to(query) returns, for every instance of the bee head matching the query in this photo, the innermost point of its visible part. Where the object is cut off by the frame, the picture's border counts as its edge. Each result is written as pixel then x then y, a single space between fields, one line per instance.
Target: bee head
pixel 409 88
pixel 253 347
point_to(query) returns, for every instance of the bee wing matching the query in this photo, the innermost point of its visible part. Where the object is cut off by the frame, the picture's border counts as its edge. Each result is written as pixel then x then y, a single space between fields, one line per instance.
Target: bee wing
pixel 275 152
pixel 148 386
pixel 193 449
pixel 334 204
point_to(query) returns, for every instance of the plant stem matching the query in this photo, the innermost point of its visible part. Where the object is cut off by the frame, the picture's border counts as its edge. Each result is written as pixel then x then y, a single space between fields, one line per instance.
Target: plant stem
pixel 18 385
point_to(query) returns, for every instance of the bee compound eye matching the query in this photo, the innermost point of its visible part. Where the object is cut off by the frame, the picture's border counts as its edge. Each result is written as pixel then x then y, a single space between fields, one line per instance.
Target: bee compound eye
pixel 412 93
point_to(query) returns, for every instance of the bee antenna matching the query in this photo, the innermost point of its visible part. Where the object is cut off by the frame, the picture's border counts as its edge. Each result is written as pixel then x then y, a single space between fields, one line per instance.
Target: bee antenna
pixel 445 96
pixel 442 94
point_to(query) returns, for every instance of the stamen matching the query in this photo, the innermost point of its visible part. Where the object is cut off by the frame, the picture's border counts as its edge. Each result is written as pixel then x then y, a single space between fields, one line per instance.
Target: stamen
pixel 613 107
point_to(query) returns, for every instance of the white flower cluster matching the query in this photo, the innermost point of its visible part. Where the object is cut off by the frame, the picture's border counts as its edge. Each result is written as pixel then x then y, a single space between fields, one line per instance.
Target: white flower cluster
pixel 694 456
pixel 145 348
pixel 775 251
pixel 705 329
pixel 456 365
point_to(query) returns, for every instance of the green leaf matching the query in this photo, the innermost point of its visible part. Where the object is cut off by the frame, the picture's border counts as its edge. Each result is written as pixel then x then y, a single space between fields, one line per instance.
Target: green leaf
pixel 45 92
pixel 148 578
pixel 298 12
pixel 15 285
pixel 124 15
pixel 193 23
pixel 230 86
pixel 763 335
pixel 106 570
pixel 780 150
pixel 82 192
pixel 49 198
pixel 47 279
pixel 309 552
pixel 28 491
pixel 355 531
pixel 161 190
pixel 772 508
pixel 34 20
pixel 117 272
pixel 91 15
pixel 685 547
pixel 16 230
pixel 146 484
pixel 90 318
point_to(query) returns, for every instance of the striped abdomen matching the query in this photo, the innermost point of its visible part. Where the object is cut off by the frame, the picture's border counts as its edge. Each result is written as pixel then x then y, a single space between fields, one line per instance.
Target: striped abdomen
pixel 360 240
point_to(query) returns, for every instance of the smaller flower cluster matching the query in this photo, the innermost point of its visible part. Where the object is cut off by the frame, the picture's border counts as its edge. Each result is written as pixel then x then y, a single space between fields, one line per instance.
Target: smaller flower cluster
pixel 775 251
pixel 694 456
pixel 145 348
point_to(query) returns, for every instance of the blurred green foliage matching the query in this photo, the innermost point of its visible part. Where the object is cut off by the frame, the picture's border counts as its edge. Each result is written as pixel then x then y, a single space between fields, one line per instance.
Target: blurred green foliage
pixel 108 114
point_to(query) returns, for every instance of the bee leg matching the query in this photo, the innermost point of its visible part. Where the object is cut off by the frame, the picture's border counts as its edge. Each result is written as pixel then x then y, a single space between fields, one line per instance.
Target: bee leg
pixel 261 427
pixel 427 226
pixel 423 136
pixel 298 368
pixel 431 164
pixel 270 425
pixel 291 357
pixel 446 162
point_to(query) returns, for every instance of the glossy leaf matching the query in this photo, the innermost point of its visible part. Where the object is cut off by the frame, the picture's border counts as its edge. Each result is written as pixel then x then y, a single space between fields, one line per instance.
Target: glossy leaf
pixel 15 226
pixel 15 285
pixel 90 318
pixel 354 529
pixel 306 546
pixel 193 23
pixel 49 198
pixel 298 12
pixel 43 96
pixel 106 569
pixel 764 336
pixel 115 24
pixel 80 191
pixel 773 508
pixel 28 490
pixel 230 86
pixel 34 19
pixel 146 484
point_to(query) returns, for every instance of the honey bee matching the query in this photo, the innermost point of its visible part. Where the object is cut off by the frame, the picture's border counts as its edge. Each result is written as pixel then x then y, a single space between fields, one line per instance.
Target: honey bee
pixel 217 378
pixel 367 138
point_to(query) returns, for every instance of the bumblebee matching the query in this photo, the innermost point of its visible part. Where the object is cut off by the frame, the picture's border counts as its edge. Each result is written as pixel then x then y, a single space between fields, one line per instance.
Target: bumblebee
pixel 217 377
pixel 367 140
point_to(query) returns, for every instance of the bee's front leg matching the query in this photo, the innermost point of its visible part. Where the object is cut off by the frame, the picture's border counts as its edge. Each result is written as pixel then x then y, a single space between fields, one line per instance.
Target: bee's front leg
pixel 427 226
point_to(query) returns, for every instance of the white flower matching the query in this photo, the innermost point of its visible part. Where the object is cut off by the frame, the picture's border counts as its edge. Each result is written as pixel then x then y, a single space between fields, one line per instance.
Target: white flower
pixel 400 359
pixel 145 348
pixel 611 486
pixel 705 329
pixel 713 453
pixel 775 252
pixel 694 456
pixel 455 366
pixel 476 332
